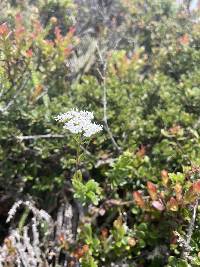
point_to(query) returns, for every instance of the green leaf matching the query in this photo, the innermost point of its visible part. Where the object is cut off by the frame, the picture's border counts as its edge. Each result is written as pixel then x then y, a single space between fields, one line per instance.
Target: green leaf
pixel 177 177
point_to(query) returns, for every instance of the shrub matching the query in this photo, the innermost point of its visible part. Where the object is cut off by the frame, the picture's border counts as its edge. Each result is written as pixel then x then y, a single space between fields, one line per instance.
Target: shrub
pixel 135 190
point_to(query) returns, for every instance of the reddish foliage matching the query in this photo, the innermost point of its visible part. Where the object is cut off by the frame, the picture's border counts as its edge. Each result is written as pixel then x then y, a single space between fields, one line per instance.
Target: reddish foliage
pixel 18 18
pixel 196 187
pixel 152 190
pixel 157 204
pixel 175 129
pixel 178 191
pixel 165 177
pixel 37 28
pixel 164 173
pixel 104 232
pixel 61 238
pixel 138 199
pixel 4 30
pixel 174 239
pixel 29 53
pixel 19 32
pixel 67 51
pixel 72 30
pixel 85 248
pixel 184 40
pixel 172 204
pixel 141 152
pixel 81 251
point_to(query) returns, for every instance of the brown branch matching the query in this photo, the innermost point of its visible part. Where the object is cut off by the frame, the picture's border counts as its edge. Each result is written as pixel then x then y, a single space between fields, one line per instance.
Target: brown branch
pixel 40 136
pixel 103 77
pixel 48 136
pixel 191 226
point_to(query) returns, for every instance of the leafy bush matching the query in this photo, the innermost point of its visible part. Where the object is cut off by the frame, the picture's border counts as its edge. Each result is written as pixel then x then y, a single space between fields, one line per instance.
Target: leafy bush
pixel 133 197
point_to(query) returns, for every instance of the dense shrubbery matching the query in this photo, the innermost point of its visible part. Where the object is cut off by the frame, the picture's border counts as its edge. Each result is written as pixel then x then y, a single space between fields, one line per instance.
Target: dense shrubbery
pixel 132 199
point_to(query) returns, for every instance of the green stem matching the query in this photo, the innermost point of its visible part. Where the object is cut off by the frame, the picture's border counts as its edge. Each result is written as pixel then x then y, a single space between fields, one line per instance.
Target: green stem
pixel 23 219
pixel 78 153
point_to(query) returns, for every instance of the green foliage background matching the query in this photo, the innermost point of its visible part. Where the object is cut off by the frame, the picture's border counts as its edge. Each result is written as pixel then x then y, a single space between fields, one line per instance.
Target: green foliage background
pixel 152 81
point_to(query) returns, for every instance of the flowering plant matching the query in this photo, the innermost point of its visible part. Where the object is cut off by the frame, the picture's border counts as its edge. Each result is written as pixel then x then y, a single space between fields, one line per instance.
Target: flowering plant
pixel 79 122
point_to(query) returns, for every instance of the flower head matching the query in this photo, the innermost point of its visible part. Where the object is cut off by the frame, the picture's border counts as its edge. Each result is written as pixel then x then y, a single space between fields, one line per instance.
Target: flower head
pixel 79 122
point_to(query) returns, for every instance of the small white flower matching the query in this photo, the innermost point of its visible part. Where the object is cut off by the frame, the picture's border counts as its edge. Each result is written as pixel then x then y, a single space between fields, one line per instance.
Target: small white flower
pixel 79 122
pixel 91 129
pixel 75 114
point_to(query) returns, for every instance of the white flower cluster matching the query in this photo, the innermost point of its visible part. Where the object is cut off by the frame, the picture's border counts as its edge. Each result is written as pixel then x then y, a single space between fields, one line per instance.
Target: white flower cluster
pixel 79 122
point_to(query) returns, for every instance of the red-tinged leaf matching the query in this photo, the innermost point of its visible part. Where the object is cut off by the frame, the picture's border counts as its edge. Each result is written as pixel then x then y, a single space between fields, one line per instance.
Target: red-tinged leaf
pixel 85 248
pixel 138 199
pixel 164 173
pixel 37 29
pixel 175 129
pixel 38 89
pixel 67 51
pixel 141 152
pixel 157 204
pixel 18 18
pixel 104 232
pixel 165 177
pixel 173 239
pixel 72 30
pixel 172 204
pixel 184 40
pixel 19 32
pixel 152 190
pixel 4 30
pixel 29 53
pixel 178 191
pixel 196 187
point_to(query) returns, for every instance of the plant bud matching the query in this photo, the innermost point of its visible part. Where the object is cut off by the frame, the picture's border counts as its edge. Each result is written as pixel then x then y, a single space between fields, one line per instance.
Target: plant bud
pixel 165 177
